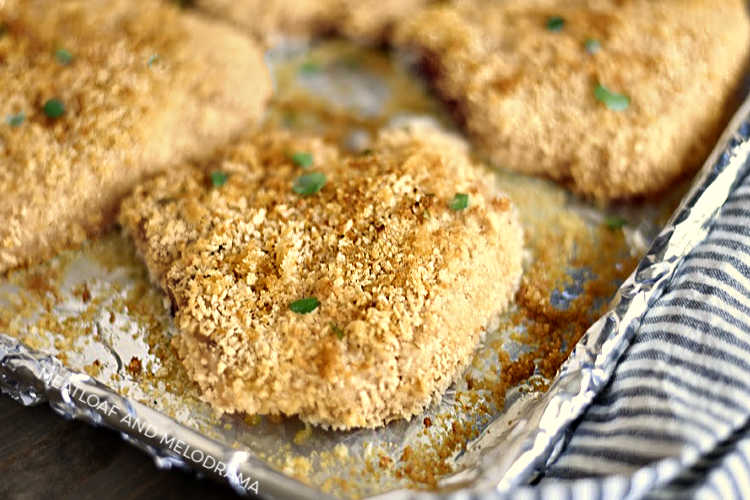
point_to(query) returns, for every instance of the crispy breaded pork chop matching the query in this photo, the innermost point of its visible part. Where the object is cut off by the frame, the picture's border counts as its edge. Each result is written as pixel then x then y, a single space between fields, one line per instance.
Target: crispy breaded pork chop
pixel 348 290
pixel 614 98
pixel 95 96
pixel 362 20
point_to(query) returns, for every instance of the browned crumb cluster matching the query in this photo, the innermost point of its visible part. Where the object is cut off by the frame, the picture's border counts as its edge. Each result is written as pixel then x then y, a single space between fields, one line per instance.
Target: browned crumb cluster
pixel 134 367
pixel 405 283
pixel 141 87
pixel 524 82
pixel 364 20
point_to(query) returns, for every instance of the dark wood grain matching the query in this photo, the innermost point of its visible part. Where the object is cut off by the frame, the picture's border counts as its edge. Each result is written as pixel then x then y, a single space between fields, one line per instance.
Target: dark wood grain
pixel 44 456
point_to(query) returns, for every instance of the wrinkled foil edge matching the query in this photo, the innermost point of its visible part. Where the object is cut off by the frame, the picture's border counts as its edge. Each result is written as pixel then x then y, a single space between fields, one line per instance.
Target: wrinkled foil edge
pixel 508 455
pixel 31 377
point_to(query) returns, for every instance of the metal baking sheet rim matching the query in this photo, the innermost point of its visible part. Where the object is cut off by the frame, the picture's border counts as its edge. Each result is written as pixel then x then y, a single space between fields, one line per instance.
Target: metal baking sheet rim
pixel 507 456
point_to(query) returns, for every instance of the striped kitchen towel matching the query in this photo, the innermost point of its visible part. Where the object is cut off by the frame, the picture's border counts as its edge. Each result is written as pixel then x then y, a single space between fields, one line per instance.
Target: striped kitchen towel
pixel 674 420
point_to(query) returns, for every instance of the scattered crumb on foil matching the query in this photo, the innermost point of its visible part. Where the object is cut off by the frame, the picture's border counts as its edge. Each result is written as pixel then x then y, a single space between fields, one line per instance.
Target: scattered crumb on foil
pixel 94 311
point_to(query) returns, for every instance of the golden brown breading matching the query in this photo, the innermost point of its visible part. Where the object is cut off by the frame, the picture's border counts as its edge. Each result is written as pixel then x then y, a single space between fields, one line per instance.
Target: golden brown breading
pixel 405 283
pixel 146 86
pixel 363 20
pixel 526 92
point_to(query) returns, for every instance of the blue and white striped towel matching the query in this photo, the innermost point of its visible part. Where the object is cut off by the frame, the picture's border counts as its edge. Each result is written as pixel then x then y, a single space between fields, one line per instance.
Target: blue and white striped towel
pixel 674 421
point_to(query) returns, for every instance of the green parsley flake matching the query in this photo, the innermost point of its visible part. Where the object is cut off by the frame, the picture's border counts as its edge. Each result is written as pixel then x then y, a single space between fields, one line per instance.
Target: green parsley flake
pixel 63 56
pixel 615 221
pixel 151 60
pixel 302 159
pixel 309 68
pixel 555 23
pixel 592 45
pixel 218 178
pixel 54 108
pixel 613 100
pixel 338 331
pixel 16 120
pixel 3 30
pixel 304 306
pixel 309 183
pixel 459 202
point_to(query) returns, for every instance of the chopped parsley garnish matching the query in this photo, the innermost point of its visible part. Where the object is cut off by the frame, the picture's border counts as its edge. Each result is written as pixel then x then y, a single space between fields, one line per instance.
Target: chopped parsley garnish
pixel 304 306
pixel 459 202
pixel 309 68
pixel 54 108
pixel 592 45
pixel 338 331
pixel 218 178
pixel 152 60
pixel 308 184
pixel 615 221
pixel 16 120
pixel 63 56
pixel 555 23
pixel 613 100
pixel 3 30
pixel 302 159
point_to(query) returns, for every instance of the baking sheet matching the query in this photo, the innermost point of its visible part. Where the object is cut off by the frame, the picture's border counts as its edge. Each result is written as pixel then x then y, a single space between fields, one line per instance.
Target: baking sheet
pixel 95 334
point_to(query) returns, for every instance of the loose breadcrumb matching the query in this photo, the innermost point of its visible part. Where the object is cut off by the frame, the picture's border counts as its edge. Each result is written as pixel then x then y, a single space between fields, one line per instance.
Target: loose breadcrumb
pixel 409 282
pixel 526 92
pixel 557 238
pixel 126 114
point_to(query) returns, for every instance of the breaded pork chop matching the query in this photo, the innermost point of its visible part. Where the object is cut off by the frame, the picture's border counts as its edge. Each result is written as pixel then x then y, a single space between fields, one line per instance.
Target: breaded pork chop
pixel 362 20
pixel 349 303
pixel 96 95
pixel 614 98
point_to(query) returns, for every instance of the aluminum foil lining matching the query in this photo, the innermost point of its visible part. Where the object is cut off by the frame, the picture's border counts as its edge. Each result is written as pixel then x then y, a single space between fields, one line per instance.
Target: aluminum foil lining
pixel 31 377
pixel 510 450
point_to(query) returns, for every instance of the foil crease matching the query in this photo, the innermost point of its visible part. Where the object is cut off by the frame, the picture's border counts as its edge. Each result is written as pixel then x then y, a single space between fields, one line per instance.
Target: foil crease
pixel 510 451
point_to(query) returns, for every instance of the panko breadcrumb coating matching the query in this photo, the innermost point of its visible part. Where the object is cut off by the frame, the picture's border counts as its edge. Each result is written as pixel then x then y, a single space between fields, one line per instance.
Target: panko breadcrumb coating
pixel 362 20
pixel 522 76
pixel 141 84
pixel 405 283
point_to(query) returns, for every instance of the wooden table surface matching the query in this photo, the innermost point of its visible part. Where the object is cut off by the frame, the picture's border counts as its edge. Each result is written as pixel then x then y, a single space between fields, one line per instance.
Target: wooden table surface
pixel 43 456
